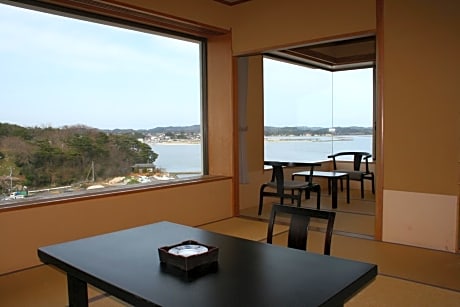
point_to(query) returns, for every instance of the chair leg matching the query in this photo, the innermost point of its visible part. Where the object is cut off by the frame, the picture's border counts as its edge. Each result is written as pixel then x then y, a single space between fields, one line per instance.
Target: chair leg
pixel 318 199
pixel 307 191
pixel 373 187
pixel 261 199
pixel 362 188
pixel 299 198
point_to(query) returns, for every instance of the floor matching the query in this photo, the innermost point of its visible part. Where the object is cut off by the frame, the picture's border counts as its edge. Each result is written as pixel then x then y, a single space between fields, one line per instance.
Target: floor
pixel 408 276
pixel 355 218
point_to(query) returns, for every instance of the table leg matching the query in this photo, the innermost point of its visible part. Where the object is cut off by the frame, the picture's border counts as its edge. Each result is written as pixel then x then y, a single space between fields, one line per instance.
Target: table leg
pixel 334 192
pixel 77 291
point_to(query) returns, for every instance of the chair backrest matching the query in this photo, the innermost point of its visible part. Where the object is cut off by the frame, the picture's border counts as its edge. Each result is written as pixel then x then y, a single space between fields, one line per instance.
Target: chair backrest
pixel 298 227
pixel 358 157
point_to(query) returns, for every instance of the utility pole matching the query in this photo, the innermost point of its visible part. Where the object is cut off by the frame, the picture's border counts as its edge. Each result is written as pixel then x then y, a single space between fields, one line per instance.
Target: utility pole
pixel 11 179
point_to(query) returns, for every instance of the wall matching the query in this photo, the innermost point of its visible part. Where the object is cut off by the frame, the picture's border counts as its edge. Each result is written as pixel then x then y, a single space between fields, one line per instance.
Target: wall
pixel 420 107
pixel 291 23
pixel 22 231
pixel 420 155
pixel 261 25
pixel 421 122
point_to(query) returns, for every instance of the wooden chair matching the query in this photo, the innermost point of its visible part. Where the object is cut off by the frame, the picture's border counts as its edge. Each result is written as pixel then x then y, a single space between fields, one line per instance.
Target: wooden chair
pixel 295 187
pixel 298 228
pixel 356 173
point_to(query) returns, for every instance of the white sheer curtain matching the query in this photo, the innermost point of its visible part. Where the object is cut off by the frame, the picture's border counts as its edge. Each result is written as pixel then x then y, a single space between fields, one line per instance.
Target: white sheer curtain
pixel 242 120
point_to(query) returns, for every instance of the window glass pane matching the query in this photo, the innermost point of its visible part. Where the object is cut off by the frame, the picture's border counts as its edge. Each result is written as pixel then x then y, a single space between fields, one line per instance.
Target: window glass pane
pixel 353 108
pixel 83 100
pixel 310 113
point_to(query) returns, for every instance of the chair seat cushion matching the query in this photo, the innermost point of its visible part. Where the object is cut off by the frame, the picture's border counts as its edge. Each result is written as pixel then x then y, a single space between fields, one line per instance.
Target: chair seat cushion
pixel 292 184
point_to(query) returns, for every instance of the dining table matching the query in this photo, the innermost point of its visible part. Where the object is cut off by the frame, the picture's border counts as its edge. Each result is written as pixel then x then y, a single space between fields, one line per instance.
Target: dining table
pixel 332 177
pixel 126 264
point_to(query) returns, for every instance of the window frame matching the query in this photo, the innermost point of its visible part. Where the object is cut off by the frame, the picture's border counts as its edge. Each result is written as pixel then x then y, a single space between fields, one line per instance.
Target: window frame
pixel 136 21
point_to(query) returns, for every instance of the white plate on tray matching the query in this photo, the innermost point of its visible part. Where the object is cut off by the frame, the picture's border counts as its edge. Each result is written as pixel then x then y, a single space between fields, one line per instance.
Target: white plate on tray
pixel 188 250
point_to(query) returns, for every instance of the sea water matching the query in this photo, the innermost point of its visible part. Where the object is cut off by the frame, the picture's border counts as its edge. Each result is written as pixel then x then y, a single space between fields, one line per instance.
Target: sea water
pixel 179 158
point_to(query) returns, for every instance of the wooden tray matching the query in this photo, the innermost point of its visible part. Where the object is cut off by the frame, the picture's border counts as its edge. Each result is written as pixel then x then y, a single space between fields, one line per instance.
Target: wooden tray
pixel 188 259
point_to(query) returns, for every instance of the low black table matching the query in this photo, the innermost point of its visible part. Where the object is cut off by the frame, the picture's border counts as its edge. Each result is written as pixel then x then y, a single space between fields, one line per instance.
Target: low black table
pixel 332 178
pixel 125 264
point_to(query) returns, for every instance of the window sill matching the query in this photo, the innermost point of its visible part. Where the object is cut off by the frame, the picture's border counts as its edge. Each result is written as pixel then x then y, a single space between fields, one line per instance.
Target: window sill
pixel 108 191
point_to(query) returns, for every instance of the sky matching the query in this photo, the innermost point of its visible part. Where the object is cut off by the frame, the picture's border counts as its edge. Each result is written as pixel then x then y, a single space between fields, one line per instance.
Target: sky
pixel 56 71
pixel 299 96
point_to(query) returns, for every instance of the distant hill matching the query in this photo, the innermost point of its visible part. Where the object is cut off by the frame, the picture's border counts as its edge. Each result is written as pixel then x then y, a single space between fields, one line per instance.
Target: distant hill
pixel 186 129
pixel 269 131
pixel 174 129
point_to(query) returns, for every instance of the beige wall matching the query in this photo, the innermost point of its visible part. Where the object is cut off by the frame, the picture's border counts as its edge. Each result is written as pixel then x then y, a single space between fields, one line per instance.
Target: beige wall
pixel 261 25
pixel 288 24
pixel 420 107
pixel 421 122
pixel 421 97
pixel 22 231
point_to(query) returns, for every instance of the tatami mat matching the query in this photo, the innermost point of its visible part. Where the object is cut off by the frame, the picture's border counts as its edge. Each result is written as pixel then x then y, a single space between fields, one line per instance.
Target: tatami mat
pixel 41 286
pixel 432 267
pixel 393 292
pixel 346 222
pixel 108 302
pixel 408 276
pixel 355 224
pixel 243 228
pixel 441 269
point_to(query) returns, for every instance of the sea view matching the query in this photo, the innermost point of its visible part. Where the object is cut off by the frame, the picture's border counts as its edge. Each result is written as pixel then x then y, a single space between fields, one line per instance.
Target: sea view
pixel 179 158
pixel 176 158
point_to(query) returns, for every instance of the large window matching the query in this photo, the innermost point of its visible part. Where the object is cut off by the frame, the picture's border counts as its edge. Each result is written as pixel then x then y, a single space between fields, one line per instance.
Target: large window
pixel 87 105
pixel 310 113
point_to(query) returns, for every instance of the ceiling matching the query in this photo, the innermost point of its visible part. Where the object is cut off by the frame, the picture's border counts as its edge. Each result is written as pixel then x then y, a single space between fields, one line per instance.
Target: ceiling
pixel 334 55
pixel 351 53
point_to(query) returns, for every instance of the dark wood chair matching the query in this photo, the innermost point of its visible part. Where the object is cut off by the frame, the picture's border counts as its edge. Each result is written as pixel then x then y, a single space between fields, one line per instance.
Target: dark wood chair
pixel 356 173
pixel 281 187
pixel 298 227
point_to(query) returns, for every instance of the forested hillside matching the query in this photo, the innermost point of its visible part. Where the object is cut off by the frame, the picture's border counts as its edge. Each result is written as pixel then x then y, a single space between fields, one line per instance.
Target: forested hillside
pixel 44 157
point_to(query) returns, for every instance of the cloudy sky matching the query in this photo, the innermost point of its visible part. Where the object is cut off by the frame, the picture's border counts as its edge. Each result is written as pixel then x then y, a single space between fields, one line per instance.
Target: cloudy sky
pixel 299 96
pixel 57 71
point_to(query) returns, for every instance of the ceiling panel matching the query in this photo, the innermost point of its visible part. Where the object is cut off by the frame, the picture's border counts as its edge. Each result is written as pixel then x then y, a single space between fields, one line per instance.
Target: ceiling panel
pixel 337 55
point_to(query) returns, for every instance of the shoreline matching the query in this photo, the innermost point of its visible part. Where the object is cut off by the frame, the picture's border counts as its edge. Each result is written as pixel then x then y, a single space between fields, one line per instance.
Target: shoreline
pixel 174 143
pixel 312 139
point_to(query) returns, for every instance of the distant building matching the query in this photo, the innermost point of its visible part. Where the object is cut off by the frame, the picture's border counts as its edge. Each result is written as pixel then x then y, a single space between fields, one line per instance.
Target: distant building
pixel 143 167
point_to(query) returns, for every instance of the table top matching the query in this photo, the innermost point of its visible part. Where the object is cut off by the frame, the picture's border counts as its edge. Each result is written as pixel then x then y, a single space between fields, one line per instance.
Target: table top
pixel 126 264
pixel 329 174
